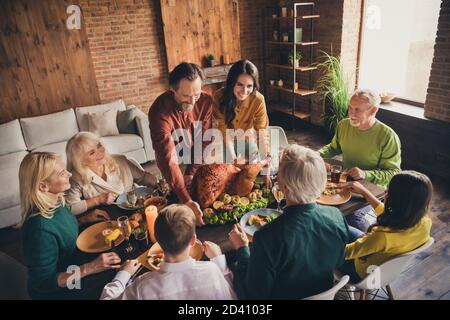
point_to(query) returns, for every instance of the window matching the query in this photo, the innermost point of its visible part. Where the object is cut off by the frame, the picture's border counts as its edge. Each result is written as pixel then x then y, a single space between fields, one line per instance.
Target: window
pixel 397 46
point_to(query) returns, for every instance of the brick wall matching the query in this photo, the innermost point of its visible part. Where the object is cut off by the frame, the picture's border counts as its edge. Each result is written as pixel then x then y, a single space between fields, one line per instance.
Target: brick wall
pixel 437 104
pixel 127 49
pixel 127 46
pixel 351 22
pixel 328 31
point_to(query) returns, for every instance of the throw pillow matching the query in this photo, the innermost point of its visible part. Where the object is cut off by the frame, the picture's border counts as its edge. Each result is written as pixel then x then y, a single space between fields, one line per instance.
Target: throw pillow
pixel 126 121
pixel 103 123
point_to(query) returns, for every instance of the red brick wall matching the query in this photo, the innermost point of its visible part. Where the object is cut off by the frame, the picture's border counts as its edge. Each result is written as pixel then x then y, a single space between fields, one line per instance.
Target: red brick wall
pixel 126 42
pixel 127 46
pixel 437 104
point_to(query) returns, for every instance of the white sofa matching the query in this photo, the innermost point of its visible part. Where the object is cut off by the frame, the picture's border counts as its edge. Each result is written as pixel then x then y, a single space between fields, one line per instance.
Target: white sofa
pixel 50 133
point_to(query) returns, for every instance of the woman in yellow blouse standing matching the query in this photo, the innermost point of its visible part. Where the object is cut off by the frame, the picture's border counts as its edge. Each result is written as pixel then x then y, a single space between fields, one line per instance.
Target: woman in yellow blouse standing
pixel 239 105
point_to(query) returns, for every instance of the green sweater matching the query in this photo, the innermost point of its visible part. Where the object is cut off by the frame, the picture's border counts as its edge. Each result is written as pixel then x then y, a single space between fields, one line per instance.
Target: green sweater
pixel 294 256
pixel 377 150
pixel 49 245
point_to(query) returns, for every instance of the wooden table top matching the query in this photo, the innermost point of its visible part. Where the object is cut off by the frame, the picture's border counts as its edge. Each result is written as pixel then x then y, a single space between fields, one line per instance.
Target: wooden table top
pixel 219 233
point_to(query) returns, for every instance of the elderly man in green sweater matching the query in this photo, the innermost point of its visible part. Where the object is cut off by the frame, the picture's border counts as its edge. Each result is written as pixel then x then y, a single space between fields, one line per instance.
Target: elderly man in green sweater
pixel 370 149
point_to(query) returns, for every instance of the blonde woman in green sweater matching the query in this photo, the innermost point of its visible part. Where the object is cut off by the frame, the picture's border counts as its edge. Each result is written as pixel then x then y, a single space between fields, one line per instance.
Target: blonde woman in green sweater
pixel 49 232
pixel 402 224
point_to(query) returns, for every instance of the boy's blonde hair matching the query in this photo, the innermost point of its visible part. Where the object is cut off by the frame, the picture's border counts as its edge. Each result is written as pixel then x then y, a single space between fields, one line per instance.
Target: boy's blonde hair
pixel 77 147
pixel 35 168
pixel 174 228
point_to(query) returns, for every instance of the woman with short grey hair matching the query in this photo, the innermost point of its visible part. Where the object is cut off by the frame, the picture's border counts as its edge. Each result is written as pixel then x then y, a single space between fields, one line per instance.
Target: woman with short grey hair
pixel 294 256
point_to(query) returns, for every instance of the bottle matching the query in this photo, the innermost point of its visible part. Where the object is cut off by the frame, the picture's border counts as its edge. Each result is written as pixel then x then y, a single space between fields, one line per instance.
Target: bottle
pixel 275 35
pixel 280 83
pixel 151 212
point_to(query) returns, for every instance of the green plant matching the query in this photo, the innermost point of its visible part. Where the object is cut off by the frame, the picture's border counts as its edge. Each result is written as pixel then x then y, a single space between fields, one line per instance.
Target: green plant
pixel 210 56
pixel 298 55
pixel 333 87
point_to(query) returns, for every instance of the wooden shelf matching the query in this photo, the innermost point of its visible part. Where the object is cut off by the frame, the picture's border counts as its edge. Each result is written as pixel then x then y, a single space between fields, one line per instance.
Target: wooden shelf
pixel 292 43
pixel 314 16
pixel 288 67
pixel 288 110
pixel 300 92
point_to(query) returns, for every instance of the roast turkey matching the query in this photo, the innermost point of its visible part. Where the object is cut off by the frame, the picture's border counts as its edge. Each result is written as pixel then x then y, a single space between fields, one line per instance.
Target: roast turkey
pixel 211 181
pixel 244 182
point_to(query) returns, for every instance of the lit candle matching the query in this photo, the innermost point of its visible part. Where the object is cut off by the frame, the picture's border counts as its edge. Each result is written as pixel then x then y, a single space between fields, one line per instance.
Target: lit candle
pixel 151 212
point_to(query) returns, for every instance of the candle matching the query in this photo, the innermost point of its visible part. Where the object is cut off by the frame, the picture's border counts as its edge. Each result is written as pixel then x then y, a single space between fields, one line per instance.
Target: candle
pixel 151 212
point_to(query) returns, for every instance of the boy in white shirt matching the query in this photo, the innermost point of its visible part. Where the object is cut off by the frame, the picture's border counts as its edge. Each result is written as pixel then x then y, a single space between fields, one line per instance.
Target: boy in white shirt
pixel 180 276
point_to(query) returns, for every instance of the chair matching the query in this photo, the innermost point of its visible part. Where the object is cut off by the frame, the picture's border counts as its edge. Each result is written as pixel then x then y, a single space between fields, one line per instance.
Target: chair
pixel 387 273
pixel 329 294
pixel 13 279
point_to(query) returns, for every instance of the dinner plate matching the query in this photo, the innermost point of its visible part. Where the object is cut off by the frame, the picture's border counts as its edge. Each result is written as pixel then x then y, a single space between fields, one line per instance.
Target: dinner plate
pixel 139 191
pixel 91 240
pixel 335 199
pixel 250 230
pixel 196 253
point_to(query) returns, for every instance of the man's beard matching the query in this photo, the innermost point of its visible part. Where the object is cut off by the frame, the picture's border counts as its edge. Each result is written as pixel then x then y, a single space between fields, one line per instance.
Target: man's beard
pixel 187 107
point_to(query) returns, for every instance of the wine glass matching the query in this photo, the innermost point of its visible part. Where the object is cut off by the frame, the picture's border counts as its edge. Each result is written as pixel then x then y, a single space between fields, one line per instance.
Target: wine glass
pixel 278 194
pixel 132 197
pixel 125 227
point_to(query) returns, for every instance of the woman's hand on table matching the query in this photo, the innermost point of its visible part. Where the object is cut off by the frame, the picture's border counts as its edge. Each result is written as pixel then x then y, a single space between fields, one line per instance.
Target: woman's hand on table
pixel 131 266
pixel 212 250
pixel 355 187
pixel 106 198
pixel 197 211
pixel 105 261
pixel 237 237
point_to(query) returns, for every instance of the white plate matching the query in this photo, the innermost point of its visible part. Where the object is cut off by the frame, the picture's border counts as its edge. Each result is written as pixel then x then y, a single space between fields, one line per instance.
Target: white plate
pixel 122 199
pixel 250 230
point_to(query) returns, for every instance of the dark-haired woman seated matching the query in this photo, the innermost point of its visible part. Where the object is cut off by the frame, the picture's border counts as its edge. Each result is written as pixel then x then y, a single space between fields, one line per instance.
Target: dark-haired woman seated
pixel 402 223
pixel 239 105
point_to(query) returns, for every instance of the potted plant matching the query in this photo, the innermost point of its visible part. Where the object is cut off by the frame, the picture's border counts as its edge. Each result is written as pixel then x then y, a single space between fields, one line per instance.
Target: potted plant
pixel 333 87
pixel 295 61
pixel 210 60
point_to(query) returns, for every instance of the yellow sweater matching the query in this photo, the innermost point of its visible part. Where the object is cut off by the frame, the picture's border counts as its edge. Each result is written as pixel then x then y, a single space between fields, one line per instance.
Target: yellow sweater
pixel 250 114
pixel 382 243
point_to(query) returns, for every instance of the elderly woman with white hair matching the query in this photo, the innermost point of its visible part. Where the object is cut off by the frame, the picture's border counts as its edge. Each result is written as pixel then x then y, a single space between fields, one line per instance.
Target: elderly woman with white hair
pixel 98 177
pixel 294 256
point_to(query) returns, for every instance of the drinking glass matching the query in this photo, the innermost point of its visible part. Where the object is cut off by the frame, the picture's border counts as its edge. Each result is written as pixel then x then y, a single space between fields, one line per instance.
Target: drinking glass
pixel 278 194
pixel 336 173
pixel 125 227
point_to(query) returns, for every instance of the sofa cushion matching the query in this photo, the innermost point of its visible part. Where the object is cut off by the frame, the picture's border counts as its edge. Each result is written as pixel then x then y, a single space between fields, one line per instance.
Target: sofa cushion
pixel 103 123
pixel 12 160
pixel 82 112
pixel 11 138
pixel 51 128
pixel 126 121
pixel 122 143
pixel 58 148
pixel 9 173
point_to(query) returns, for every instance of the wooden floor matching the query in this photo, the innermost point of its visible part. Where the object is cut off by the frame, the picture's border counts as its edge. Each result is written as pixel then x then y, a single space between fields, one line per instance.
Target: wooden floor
pixel 427 277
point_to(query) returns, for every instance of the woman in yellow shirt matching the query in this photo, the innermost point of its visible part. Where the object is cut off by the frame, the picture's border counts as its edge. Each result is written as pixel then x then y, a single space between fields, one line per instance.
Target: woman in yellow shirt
pixel 402 223
pixel 239 105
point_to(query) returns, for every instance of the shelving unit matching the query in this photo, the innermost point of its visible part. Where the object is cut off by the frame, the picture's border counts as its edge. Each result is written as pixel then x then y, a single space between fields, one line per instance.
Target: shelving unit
pixel 276 66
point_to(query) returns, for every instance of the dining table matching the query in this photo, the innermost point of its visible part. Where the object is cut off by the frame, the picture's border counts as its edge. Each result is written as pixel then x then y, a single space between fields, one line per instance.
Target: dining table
pixel 219 233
